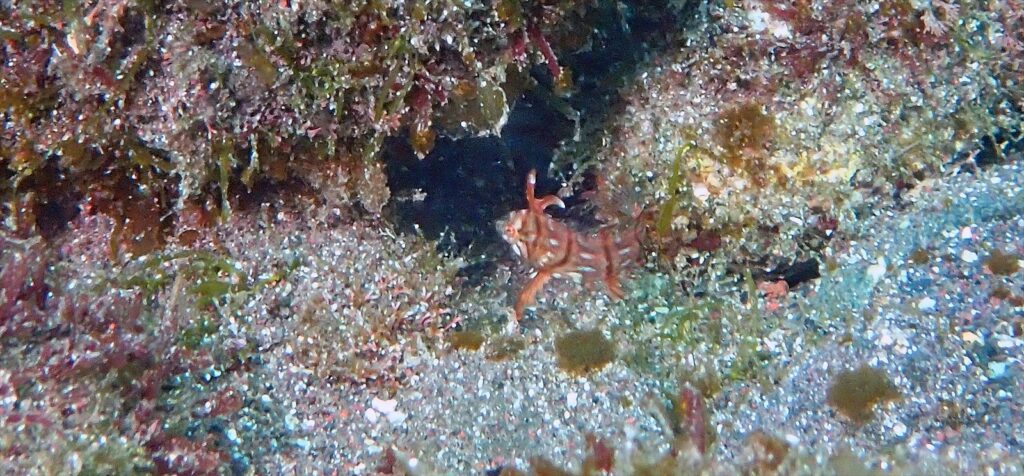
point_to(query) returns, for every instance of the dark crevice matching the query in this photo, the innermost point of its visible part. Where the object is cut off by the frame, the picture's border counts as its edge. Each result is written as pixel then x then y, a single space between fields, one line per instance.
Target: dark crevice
pixel 458 192
pixel 993 149
pixel 999 146
pixel 796 273
pixel 463 187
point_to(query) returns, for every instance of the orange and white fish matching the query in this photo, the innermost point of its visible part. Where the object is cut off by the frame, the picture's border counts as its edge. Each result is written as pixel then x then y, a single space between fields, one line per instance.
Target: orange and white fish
pixel 555 250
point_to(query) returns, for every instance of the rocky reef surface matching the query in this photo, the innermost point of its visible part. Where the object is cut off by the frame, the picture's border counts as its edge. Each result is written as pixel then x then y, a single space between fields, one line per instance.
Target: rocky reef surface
pixel 260 237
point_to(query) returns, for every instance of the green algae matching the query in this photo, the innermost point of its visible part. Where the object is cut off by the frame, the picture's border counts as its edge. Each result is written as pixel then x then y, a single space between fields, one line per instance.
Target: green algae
pixel 251 95
pixel 668 209
pixel 475 108
pixel 202 280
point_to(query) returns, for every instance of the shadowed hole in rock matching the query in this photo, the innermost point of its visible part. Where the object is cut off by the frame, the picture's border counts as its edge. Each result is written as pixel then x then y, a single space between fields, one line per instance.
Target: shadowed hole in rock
pixel 458 192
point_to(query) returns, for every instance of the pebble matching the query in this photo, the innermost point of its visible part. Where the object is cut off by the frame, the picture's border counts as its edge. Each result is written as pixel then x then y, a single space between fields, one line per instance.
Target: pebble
pixel 969 256
pixel 384 406
pixel 996 369
pixel 970 337
pixel 232 435
pixel 371 415
pixel 876 271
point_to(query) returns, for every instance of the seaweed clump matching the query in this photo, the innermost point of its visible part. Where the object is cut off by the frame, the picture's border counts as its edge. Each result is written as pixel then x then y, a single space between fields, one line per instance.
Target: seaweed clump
pixel 745 134
pixel 96 381
pixel 466 340
pixel 142 107
pixel 855 393
pixel 766 451
pixel 920 256
pixel 504 348
pixel 1003 264
pixel 580 352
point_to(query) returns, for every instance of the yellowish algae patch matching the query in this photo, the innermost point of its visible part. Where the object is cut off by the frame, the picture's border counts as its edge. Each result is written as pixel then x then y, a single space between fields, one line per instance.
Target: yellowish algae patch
pixel 855 393
pixel 466 340
pixel 920 256
pixel 580 352
pixel 745 135
pixel 1003 264
pixel 505 347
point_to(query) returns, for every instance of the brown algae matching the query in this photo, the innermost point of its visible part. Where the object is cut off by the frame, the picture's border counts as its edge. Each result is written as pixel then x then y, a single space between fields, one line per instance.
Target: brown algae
pixel 767 451
pixel 1003 264
pixel 854 393
pixel 920 256
pixel 580 352
pixel 745 135
pixel 466 340
pixel 504 348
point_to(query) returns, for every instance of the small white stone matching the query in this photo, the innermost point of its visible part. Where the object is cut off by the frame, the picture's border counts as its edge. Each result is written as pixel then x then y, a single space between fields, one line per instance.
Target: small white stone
pixel 899 429
pixel 926 304
pixel 701 191
pixel 396 417
pixel 969 256
pixel 970 337
pixel 1005 342
pixel 876 271
pixel 384 406
pixel 571 399
pixel 885 339
pixel 372 415
pixel 996 369
pixel 965 233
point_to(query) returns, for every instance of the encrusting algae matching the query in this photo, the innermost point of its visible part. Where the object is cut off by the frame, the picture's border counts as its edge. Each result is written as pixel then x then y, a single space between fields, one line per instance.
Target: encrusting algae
pixel 855 393
pixel 580 352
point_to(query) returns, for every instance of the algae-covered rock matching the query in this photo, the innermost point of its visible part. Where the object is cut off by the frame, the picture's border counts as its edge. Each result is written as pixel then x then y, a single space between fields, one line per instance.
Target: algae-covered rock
pixel 767 141
pixel 176 103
